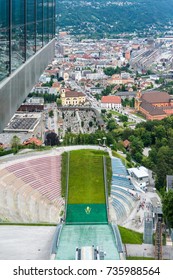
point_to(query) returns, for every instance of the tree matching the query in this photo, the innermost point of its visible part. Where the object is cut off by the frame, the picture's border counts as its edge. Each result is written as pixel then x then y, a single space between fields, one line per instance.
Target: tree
pixel 15 142
pixel 52 139
pixel 59 102
pixel 51 114
pixel 167 208
pixel 90 124
pixel 111 125
pixel 109 115
pixel 97 85
pixel 146 138
pixel 164 165
pixel 138 157
pixel 160 131
pixel 127 133
pixel 136 147
pixel 134 88
pixel 107 90
pixel 123 118
pixel 109 71
pixel 132 102
pixel 103 111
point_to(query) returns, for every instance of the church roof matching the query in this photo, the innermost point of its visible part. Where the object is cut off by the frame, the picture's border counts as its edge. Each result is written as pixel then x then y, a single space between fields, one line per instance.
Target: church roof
pixel 155 97
pixel 152 110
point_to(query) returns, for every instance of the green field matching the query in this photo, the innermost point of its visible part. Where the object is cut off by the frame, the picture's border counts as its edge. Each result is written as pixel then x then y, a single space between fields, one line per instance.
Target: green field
pixel 130 236
pixel 139 258
pixel 86 178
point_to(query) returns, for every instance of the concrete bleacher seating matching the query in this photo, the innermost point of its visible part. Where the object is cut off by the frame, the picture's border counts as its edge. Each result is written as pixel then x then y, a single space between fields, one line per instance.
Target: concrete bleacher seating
pixel 119 208
pixel 125 191
pixel 122 181
pixel 123 197
pixel 30 190
pixel 122 191
pixel 118 167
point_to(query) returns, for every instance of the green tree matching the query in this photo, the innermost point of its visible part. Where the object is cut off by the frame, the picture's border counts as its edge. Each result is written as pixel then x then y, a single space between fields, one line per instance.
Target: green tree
pixel 15 142
pixel 59 102
pixel 136 147
pixel 107 90
pixel 103 111
pixel 138 157
pixel 146 138
pixel 164 165
pixel 51 114
pixel 167 208
pixel 111 125
pixel 160 131
pixel 109 115
pixel 90 124
pixel 123 118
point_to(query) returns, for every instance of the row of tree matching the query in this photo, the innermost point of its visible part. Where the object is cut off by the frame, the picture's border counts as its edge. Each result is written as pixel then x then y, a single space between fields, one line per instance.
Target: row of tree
pixel 48 98
pixel 109 71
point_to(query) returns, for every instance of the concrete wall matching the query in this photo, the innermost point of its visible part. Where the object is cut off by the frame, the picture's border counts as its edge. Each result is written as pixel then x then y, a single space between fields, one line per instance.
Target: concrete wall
pixel 15 88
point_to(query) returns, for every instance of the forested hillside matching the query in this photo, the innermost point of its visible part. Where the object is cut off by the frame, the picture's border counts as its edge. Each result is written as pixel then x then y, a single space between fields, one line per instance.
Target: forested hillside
pixel 158 135
pixel 102 18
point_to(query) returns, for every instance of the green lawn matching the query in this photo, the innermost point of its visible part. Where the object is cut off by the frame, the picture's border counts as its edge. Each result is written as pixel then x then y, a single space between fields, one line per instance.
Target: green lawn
pixel 109 173
pixel 139 115
pixel 139 258
pixel 86 179
pixel 130 237
pixel 115 113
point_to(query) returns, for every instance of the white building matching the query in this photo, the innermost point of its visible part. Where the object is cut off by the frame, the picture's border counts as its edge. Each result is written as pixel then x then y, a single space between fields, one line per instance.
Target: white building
pixel 111 102
pixel 140 175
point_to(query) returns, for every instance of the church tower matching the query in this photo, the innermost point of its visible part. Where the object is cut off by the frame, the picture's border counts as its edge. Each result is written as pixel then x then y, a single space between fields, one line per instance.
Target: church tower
pixel 138 100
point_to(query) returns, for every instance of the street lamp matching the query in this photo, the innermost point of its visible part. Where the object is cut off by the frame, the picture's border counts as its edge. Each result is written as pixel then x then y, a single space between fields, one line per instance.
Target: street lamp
pixel 99 141
pixel 104 139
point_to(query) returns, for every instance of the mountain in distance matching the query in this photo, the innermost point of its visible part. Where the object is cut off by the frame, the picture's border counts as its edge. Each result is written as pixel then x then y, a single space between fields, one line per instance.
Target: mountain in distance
pixel 101 18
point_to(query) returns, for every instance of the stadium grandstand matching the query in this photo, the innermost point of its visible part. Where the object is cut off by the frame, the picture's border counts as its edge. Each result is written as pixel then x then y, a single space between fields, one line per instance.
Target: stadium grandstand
pixel 31 190
pixel 124 195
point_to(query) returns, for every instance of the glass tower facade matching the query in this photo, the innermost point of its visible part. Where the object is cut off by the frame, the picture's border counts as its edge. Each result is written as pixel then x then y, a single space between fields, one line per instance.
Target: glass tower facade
pixel 26 26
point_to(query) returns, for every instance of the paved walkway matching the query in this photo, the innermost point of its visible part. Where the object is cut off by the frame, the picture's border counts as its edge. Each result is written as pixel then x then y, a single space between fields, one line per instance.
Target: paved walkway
pixel 135 220
pixel 26 242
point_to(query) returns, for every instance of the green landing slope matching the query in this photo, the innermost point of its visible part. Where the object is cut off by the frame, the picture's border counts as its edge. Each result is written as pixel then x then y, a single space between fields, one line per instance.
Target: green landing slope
pixel 86 192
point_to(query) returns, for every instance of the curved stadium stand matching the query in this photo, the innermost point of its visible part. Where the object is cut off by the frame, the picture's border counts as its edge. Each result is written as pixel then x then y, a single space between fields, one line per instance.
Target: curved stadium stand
pixel 30 190
pixel 122 191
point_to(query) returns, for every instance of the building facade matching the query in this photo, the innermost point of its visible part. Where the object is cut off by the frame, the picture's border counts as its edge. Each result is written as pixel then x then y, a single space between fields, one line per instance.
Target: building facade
pixel 111 102
pixel 154 105
pixel 27 29
pixel 72 98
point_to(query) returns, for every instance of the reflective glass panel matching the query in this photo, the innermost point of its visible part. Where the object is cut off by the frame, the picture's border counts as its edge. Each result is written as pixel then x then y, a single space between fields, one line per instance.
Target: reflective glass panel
pixel 4 39
pixel 18 35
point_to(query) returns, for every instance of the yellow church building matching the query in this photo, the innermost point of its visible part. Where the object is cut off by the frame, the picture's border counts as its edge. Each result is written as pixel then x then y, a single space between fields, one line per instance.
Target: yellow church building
pixel 72 98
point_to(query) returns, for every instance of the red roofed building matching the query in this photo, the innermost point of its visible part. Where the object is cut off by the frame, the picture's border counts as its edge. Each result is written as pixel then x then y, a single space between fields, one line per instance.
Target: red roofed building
pixel 111 102
pixel 126 144
pixel 32 140
pixel 154 105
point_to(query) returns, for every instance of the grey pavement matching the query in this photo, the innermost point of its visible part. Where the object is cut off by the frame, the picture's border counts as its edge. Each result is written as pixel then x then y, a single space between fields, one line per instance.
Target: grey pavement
pixel 26 242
